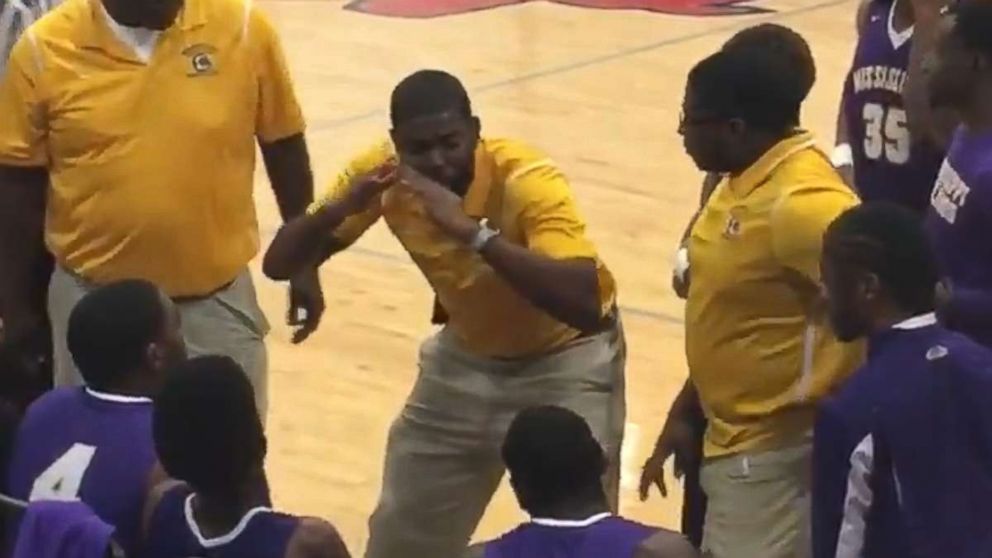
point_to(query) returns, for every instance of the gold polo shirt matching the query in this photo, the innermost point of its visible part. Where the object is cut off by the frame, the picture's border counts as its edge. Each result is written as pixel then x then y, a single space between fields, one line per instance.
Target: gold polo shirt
pixel 151 163
pixel 759 352
pixel 524 194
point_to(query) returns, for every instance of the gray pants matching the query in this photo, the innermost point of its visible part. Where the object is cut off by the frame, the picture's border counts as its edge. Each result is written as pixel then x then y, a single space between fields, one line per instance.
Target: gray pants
pixel 758 504
pixel 229 323
pixel 443 462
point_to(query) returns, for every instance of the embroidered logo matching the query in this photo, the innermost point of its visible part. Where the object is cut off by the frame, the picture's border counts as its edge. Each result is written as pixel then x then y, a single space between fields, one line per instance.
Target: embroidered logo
pixel 201 60
pixel 936 352
pixel 733 227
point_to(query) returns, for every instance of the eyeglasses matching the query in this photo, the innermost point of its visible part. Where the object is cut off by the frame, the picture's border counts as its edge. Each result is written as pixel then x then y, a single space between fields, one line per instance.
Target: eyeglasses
pixel 697 120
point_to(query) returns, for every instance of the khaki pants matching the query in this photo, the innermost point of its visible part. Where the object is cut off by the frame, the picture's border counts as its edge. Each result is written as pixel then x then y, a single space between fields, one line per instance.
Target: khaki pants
pixel 229 322
pixel 758 505
pixel 443 462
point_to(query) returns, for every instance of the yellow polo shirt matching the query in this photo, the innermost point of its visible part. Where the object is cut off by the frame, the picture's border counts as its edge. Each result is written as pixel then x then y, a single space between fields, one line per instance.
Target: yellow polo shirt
pixel 758 347
pixel 524 195
pixel 151 164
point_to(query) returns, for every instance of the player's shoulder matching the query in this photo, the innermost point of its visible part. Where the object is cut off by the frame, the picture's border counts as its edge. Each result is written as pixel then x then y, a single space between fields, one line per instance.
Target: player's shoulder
pixel 514 157
pixel 666 544
pixel 961 351
pixel 58 400
pixel 316 538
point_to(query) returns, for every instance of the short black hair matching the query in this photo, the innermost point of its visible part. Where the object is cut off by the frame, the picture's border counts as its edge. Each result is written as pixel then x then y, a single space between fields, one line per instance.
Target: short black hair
pixel 756 85
pixel 206 427
pixel 779 40
pixel 426 93
pixel 972 24
pixel 110 329
pixel 552 456
pixel 889 241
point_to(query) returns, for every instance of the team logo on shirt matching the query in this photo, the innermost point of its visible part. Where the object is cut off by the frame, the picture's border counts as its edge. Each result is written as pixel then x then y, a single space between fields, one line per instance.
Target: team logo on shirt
pixel 438 8
pixel 950 193
pixel 200 58
pixel 733 227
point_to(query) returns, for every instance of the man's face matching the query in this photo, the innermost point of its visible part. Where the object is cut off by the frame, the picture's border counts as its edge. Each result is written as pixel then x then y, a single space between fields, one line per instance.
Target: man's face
pixel 705 135
pixel 952 70
pixel 158 14
pixel 844 289
pixel 441 147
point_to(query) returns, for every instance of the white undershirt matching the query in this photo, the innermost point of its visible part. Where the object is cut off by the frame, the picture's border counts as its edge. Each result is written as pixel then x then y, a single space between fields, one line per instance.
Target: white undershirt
pixel 140 39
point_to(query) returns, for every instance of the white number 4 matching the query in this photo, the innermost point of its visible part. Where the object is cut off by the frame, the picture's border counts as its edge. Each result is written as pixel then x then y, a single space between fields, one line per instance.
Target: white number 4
pixel 886 133
pixel 61 480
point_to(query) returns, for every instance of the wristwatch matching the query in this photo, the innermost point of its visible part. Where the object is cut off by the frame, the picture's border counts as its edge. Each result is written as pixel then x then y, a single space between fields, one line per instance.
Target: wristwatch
pixel 485 234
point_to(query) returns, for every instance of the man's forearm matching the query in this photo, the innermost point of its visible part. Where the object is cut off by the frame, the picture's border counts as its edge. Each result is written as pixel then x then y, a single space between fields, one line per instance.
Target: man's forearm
pixel 22 249
pixel 304 241
pixel 568 290
pixel 287 163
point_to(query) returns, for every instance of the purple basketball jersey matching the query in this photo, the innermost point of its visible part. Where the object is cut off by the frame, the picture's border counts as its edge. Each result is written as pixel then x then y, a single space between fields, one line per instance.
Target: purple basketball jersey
pixel 612 537
pixel 960 223
pixel 889 165
pixel 78 444
pixel 173 533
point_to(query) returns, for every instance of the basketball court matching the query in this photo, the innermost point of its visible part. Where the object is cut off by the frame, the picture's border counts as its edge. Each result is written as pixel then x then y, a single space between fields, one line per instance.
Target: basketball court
pixel 598 85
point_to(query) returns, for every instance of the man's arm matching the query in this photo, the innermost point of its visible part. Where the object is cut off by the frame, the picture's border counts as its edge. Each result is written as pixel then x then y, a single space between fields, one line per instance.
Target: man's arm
pixel 288 166
pixel 22 249
pixel 831 464
pixel 567 289
pixel 339 219
pixel 316 538
pixel 556 271
pixel 924 121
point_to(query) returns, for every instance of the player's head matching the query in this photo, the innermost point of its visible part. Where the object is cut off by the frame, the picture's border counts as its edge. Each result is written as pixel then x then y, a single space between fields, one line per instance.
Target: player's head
pixel 778 40
pixel 207 430
pixel 152 14
pixel 877 266
pixel 738 101
pixel 124 335
pixel 959 68
pixel 553 459
pixel 434 130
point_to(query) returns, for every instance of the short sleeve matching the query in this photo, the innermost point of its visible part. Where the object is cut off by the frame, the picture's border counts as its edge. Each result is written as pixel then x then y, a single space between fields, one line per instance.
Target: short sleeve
pixel 798 222
pixel 278 114
pixel 542 200
pixel 24 125
pixel 353 227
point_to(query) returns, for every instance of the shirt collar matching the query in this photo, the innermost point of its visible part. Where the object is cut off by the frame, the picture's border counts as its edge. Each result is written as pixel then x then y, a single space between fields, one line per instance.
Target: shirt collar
pixel 917 322
pixel 191 16
pixel 477 196
pixel 759 172
pixel 550 522
pixel 116 398
pixel 878 341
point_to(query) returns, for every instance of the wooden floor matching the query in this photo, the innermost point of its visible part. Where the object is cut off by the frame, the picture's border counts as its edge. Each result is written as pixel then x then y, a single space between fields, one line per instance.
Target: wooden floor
pixel 600 90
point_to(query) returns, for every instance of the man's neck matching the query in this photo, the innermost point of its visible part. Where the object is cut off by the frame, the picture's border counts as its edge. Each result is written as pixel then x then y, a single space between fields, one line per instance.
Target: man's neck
pixel 573 511
pixel 756 149
pixel 123 13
